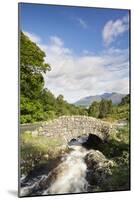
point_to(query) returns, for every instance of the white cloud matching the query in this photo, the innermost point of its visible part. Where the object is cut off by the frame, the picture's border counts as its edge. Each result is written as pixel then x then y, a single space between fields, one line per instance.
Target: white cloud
pixel 79 76
pixel 87 74
pixel 82 23
pixel 113 29
pixel 56 41
pixel 33 37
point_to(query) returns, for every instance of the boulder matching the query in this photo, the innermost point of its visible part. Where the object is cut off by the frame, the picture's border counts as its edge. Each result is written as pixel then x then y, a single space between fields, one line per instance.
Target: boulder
pixel 99 168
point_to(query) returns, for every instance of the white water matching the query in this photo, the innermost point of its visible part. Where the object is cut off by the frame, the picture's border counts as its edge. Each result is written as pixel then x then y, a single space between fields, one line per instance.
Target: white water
pixel 70 174
pixel 71 177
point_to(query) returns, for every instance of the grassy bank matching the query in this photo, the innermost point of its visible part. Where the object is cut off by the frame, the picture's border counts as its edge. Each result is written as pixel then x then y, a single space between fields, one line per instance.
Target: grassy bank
pixel 37 150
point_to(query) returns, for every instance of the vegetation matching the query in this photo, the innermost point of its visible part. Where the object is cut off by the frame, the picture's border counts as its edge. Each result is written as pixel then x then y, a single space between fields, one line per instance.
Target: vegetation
pixel 94 109
pixel 117 149
pixel 109 112
pixel 125 100
pixel 100 109
pixel 105 108
pixel 37 150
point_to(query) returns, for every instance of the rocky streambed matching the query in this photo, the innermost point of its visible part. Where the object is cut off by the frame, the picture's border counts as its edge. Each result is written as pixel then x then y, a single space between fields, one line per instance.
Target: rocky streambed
pixel 83 169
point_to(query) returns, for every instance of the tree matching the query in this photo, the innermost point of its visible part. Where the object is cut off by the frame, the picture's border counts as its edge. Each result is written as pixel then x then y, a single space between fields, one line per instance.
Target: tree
pixel 32 66
pixel 105 108
pixel 60 98
pixel 94 109
pixel 31 56
pixel 48 100
pixel 125 100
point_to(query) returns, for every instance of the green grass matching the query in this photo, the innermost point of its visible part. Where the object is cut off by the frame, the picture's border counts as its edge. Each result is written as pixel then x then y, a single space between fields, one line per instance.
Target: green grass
pixel 37 150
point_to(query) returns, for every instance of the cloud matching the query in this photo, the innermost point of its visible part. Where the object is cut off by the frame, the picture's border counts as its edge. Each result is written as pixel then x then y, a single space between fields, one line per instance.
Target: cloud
pixel 33 37
pixel 113 29
pixel 56 41
pixel 87 74
pixel 82 23
pixel 78 76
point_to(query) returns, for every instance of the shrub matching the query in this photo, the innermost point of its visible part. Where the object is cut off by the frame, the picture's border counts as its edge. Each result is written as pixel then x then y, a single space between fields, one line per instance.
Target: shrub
pixel 117 149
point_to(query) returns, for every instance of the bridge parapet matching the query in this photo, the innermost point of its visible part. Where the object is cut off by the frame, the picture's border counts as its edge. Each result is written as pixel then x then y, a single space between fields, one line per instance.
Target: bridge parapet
pixel 68 127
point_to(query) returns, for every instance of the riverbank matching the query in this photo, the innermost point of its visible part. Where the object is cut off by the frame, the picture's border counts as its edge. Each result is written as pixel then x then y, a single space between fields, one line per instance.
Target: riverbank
pixel 38 150
pixel 42 156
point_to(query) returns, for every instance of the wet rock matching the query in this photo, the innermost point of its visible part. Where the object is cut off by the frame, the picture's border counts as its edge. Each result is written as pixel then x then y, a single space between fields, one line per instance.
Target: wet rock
pixel 99 168
pixel 73 142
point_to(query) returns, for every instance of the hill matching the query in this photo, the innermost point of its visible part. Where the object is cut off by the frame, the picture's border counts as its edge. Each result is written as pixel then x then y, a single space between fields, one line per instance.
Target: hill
pixel 115 97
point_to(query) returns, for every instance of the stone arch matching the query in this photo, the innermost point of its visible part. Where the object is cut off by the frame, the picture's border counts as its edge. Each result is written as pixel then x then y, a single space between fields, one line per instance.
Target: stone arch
pixel 68 127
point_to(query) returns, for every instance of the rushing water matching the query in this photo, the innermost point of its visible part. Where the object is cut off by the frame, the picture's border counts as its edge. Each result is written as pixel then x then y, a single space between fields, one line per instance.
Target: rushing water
pixel 68 177
pixel 71 177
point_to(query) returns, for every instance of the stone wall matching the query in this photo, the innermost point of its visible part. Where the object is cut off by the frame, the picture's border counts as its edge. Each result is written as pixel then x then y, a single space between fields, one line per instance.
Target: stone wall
pixel 68 127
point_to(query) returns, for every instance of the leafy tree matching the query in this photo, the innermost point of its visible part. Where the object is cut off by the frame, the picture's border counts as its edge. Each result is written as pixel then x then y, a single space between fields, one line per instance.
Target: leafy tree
pixel 47 100
pixel 60 98
pixel 94 109
pixel 105 108
pixel 125 100
pixel 31 56
pixel 32 66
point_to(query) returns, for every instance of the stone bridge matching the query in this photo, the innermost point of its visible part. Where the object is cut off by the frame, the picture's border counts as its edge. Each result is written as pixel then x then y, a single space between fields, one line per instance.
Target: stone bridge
pixel 68 127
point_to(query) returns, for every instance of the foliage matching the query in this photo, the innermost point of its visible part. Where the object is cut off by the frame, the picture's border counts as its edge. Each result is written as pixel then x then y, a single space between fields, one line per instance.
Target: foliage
pixel 110 112
pixel 117 149
pixel 105 108
pixel 125 100
pixel 94 109
pixel 32 66
pixel 100 109
pixel 121 173
pixel 31 56
pixel 119 112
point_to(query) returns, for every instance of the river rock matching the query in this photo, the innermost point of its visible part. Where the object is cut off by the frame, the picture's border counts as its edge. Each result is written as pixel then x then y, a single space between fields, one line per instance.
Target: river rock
pixel 99 168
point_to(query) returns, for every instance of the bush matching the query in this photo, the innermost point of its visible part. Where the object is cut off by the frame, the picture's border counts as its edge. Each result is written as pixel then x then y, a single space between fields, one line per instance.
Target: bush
pixel 117 149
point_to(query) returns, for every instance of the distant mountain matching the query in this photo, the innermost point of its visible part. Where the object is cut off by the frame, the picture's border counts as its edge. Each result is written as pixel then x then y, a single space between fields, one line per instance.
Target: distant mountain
pixel 115 97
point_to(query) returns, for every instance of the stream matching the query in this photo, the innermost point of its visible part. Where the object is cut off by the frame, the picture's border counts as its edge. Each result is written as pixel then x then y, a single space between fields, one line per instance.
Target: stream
pixel 68 177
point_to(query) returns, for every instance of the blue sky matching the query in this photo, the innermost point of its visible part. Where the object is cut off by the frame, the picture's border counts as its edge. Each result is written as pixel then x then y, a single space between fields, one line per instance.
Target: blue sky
pixel 88 48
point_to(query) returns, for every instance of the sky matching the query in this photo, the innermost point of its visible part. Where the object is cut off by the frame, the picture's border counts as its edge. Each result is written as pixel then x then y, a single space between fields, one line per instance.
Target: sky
pixel 87 48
